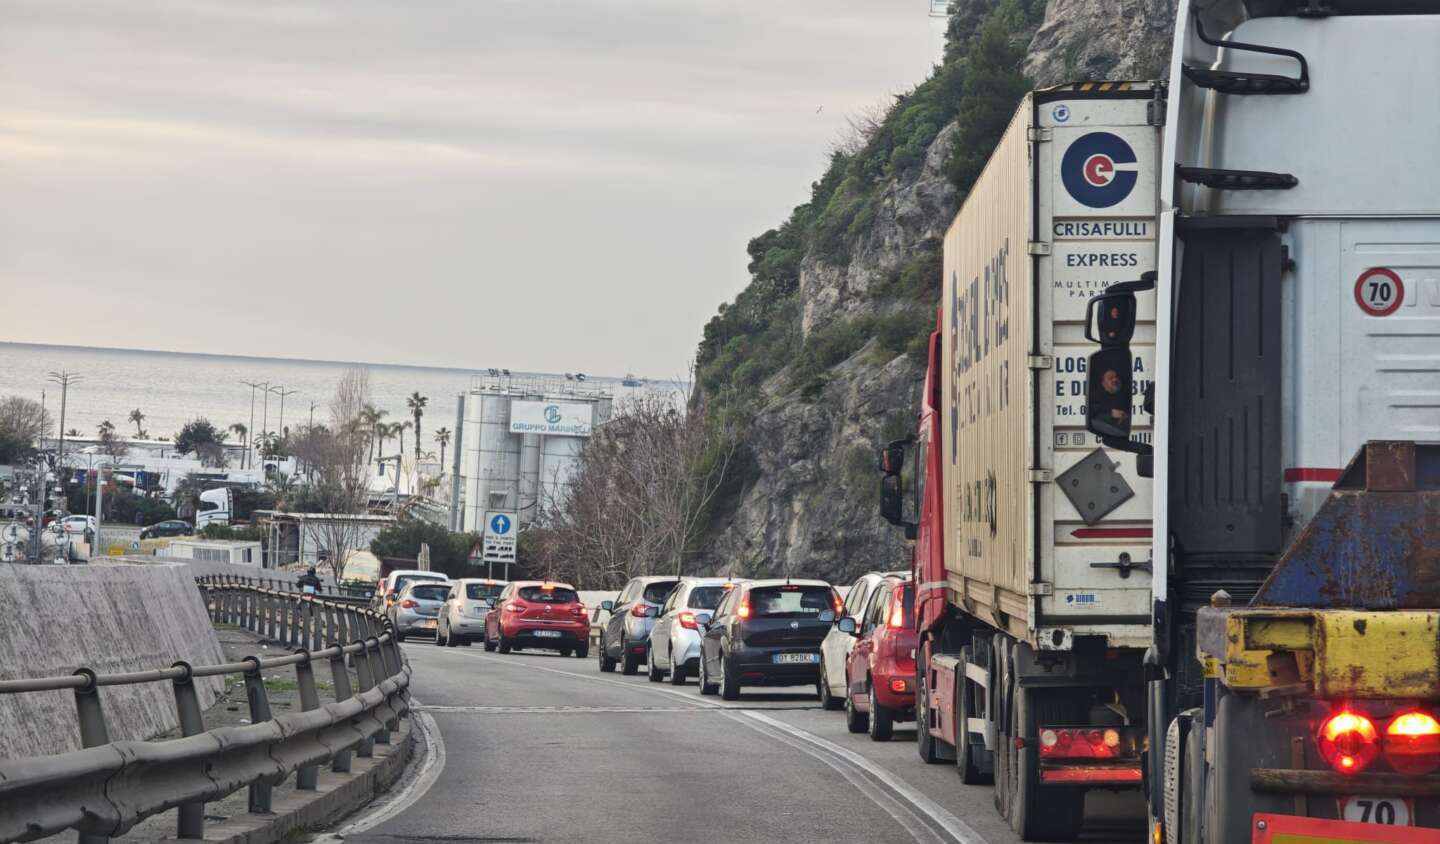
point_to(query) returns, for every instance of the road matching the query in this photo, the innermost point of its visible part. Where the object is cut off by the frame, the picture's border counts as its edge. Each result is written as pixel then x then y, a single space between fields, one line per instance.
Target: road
pixel 541 748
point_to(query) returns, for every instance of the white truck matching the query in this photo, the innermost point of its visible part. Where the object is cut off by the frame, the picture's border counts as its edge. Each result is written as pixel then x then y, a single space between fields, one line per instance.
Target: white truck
pixel 217 507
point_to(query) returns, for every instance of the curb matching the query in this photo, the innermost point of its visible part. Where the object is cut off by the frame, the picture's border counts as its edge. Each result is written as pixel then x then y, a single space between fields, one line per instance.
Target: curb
pixel 338 795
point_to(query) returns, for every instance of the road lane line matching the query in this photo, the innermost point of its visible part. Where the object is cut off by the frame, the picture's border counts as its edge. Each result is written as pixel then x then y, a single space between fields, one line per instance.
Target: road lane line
pixel 947 821
pixel 419 776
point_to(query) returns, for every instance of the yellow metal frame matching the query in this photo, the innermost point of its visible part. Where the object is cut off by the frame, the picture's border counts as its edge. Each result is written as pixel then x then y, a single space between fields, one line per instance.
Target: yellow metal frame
pixel 1336 653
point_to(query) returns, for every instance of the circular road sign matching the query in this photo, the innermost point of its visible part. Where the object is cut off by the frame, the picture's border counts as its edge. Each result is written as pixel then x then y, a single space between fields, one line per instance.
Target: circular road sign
pixel 1379 292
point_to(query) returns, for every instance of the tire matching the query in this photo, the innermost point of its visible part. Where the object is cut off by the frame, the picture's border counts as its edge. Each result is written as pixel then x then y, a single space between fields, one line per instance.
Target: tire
pixel 1042 814
pixel 450 639
pixel 583 651
pixel 1192 808
pixel 439 640
pixel 467 641
pixel 706 687
pixel 566 651
pixel 882 720
pixel 855 721
pixel 1004 745
pixel 399 637
pixel 828 701
pixel 924 742
pixel 489 645
pixel 653 672
pixel 629 662
pixel 504 644
pixel 677 674
pixel 729 681
pixel 965 763
pixel 607 665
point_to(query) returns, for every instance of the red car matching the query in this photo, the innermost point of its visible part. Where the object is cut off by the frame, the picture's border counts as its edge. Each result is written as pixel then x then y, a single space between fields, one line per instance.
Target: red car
pixel 880 674
pixel 538 614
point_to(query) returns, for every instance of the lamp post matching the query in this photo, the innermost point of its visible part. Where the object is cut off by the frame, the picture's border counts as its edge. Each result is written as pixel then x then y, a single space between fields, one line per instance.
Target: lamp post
pixel 282 393
pixel 99 503
pixel 64 378
pixel 250 432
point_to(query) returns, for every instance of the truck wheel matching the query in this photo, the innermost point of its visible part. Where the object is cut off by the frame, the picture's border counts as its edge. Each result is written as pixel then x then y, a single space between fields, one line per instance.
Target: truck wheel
pixel 1036 813
pixel 1192 779
pixel 855 722
pixel 965 763
pixel 828 701
pixel 882 720
pixel 924 742
pixel 607 664
pixel 1004 745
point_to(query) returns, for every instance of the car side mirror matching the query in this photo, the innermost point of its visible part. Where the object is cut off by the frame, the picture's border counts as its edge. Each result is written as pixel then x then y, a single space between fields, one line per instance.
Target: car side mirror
pixel 703 619
pixel 492 603
pixel 827 616
pixel 847 625
pixel 607 606
pixel 652 612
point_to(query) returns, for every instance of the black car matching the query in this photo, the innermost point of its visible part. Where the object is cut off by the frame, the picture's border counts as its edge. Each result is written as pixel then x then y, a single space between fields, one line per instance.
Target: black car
pixel 767 633
pixel 169 527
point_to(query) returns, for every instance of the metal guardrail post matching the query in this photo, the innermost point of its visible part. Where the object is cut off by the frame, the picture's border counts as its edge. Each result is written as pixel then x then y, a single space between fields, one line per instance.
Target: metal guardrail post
pixel 367 682
pixel 92 729
pixel 269 601
pixel 251 610
pixel 191 816
pixel 340 676
pixel 317 625
pixel 259 711
pixel 286 622
pixel 307 778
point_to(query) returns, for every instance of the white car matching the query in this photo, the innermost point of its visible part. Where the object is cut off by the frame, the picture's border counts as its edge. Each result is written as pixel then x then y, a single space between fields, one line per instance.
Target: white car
pixel 675 639
pixel 77 524
pixel 835 650
pixel 462 617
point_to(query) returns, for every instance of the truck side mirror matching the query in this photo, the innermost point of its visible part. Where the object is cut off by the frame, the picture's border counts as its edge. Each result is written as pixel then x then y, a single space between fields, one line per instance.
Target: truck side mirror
pixel 1110 384
pixel 892 459
pixel 892 500
pixel 1109 393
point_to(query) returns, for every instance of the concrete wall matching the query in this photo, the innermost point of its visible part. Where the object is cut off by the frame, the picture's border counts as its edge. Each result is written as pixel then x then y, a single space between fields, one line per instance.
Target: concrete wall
pixel 110 618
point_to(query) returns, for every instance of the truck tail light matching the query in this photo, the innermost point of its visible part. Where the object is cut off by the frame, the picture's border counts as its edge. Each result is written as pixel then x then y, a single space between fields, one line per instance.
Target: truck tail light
pixel 1060 743
pixel 1412 743
pixel 687 620
pixel 1349 741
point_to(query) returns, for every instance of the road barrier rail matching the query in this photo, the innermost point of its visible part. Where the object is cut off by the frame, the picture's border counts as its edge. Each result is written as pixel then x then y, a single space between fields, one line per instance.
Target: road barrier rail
pixel 105 788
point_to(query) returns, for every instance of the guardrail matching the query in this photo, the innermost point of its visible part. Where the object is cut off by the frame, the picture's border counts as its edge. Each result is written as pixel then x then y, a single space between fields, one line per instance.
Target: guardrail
pixel 106 788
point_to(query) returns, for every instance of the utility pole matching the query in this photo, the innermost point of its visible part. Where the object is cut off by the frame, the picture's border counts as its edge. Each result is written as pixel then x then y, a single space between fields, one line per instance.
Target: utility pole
pixel 64 378
pixel 250 432
pixel 282 393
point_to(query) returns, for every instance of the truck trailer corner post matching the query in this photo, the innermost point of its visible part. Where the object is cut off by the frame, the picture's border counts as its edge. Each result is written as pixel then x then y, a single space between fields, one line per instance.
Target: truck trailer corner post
pixel 1032 553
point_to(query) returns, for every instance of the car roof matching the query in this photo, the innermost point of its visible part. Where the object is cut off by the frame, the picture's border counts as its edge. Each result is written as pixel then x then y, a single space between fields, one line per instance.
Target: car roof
pixel 414 583
pixel 781 581
pixel 557 584
pixel 711 581
pixel 483 580
pixel 655 578
pixel 398 572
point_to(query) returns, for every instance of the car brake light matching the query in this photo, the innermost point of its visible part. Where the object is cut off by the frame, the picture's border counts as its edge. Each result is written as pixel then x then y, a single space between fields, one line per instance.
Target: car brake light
pixel 578 609
pixel 1349 741
pixel 839 603
pixel 408 604
pixel 687 620
pixel 1412 743
pixel 744 609
pixel 897 615
pixel 638 610
pixel 547 587
pixel 513 607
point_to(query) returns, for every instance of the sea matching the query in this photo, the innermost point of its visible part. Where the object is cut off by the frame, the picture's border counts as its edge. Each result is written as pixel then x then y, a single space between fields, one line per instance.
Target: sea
pixel 172 388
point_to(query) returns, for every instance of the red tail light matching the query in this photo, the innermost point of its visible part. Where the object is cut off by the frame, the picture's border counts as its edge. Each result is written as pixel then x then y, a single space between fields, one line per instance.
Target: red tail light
pixel 897 615
pixel 638 610
pixel 1412 743
pixel 1349 741
pixel 687 620
pixel 839 603
pixel 744 609
pixel 578 609
pixel 899 685
pixel 513 607
pixel 1080 743
pixel 408 604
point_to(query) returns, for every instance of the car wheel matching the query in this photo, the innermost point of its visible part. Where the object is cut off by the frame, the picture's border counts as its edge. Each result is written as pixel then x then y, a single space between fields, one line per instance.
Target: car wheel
pixel 399 637
pixel 504 645
pixel 439 639
pixel 630 663
pixel 653 672
pixel 855 722
pixel 729 681
pixel 489 643
pixel 467 641
pixel 827 699
pixel 583 652
pixel 677 674
pixel 607 664
pixel 566 651
pixel 882 720
pixel 706 687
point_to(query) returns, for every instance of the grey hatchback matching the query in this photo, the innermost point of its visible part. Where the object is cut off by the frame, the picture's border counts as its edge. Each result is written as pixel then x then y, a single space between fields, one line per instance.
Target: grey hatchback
pixel 625 638
pixel 417 607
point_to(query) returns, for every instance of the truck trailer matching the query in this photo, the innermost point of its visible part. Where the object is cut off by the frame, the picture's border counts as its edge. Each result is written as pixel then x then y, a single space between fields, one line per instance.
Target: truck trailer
pixel 1274 418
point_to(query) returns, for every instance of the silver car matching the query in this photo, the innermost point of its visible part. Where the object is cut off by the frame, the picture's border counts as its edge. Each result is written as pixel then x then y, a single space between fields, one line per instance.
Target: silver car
pixel 462 618
pixel 417 608
pixel 625 638
pixel 835 650
pixel 675 639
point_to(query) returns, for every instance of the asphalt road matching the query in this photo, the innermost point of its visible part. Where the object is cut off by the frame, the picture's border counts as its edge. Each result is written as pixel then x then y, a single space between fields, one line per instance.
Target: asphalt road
pixel 540 748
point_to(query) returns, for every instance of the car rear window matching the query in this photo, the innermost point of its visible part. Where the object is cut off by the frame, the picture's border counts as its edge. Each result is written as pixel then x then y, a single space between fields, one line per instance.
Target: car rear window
pixel 430 593
pixel 706 597
pixel 479 591
pixel 908 600
pixel 790 601
pixel 553 595
pixel 403 579
pixel 656 593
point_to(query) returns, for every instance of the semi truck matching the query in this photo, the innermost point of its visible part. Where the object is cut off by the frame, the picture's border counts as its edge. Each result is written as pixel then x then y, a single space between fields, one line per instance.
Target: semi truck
pixel 1232 604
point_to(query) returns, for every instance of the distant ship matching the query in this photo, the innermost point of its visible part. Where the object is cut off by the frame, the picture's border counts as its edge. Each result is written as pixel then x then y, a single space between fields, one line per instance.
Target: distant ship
pixel 631 381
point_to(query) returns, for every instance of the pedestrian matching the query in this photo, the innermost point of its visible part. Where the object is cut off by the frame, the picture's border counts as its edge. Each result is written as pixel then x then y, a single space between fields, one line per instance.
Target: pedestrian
pixel 308 582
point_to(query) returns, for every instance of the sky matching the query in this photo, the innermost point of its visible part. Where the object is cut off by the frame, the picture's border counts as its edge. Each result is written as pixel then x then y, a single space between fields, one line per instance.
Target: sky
pixel 549 185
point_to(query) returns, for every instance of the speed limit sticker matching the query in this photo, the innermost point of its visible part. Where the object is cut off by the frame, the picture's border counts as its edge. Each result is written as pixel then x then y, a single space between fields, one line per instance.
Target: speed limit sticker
pixel 1386 811
pixel 1379 291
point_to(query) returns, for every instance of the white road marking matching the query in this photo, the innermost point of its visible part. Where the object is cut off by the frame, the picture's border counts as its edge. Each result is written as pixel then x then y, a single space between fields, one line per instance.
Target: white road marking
pixel 558 710
pixel 419 776
pixel 953 826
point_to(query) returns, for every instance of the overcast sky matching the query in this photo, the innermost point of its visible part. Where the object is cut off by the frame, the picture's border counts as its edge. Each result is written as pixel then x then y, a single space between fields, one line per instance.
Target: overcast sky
pixel 542 185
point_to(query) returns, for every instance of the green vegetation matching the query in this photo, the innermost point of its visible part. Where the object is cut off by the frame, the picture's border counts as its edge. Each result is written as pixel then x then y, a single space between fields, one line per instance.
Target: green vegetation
pixel 449 552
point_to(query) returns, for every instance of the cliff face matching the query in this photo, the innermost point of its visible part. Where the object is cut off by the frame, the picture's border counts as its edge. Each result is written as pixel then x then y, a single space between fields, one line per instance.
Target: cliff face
pixel 805 501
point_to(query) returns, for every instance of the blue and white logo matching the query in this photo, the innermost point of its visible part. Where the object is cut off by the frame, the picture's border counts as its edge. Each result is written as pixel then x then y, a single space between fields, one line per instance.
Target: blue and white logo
pixel 552 414
pixel 500 525
pixel 1061 113
pixel 1099 170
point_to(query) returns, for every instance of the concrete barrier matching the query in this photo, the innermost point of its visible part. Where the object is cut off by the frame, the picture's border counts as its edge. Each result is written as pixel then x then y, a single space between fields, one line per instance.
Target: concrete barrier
pixel 110 618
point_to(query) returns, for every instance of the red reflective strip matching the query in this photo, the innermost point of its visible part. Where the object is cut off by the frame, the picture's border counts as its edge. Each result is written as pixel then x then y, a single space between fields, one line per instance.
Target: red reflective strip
pixel 1271 829
pixel 1090 775
pixel 1328 476
pixel 1112 533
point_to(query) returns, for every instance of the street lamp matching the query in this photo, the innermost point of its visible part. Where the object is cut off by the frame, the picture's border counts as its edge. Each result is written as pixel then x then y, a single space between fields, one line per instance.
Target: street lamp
pixel 99 503
pixel 64 379
pixel 282 393
pixel 250 432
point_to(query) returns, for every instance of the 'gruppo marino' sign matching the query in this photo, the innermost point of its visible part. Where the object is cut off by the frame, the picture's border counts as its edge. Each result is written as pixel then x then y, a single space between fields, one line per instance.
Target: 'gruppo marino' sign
pixel 553 418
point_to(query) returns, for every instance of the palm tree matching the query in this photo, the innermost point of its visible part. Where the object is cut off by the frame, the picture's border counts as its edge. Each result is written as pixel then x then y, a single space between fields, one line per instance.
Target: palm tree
pixel 442 437
pixel 370 417
pixel 105 428
pixel 73 432
pixel 239 430
pixel 398 429
pixel 137 417
pixel 417 403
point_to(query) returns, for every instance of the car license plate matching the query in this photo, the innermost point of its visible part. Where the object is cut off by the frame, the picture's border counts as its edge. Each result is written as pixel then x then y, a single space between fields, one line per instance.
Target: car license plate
pixel 426 622
pixel 801 658
pixel 548 634
pixel 1386 811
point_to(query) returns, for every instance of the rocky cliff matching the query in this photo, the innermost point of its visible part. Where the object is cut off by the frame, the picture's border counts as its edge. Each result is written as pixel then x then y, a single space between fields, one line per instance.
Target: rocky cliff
pixel 819 361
